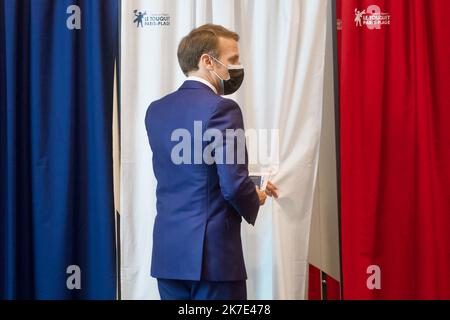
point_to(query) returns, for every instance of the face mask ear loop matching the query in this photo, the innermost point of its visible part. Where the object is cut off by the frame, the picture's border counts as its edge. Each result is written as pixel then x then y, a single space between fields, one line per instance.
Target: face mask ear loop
pixel 229 76
pixel 217 75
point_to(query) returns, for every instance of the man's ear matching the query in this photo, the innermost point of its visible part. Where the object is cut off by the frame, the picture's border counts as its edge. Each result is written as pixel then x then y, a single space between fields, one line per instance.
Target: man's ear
pixel 206 61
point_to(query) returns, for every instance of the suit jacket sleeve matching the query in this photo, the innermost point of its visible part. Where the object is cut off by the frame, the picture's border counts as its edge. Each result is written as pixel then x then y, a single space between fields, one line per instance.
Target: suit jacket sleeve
pixel 236 186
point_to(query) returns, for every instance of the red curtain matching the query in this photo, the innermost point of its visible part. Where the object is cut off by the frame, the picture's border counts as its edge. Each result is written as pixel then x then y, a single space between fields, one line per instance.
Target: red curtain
pixel 316 276
pixel 314 283
pixel 394 62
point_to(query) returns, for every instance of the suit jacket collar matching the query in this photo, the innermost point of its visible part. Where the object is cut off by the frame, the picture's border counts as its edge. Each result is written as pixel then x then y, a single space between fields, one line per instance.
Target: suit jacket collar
pixel 192 84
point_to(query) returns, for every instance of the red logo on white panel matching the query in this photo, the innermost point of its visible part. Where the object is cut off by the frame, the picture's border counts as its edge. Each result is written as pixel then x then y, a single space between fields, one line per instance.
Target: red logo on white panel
pixel 373 18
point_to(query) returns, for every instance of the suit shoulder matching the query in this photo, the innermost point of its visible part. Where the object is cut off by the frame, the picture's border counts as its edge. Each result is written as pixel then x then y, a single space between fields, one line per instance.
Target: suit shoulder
pixel 226 114
pixel 162 100
pixel 159 103
pixel 225 105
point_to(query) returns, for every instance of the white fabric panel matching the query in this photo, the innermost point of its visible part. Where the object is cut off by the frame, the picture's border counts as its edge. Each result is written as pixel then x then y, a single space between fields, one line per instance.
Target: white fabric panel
pixel 324 234
pixel 282 47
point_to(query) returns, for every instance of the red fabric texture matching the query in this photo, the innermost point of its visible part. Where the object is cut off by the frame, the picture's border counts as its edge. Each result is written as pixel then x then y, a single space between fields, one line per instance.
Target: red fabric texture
pixel 333 288
pixel 395 149
pixel 314 283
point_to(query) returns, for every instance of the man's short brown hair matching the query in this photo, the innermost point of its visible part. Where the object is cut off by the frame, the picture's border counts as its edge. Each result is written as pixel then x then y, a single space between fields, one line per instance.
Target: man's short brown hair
pixel 204 39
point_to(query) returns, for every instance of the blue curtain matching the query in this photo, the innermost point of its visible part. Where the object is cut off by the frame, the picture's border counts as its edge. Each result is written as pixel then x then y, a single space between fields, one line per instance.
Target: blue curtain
pixel 56 186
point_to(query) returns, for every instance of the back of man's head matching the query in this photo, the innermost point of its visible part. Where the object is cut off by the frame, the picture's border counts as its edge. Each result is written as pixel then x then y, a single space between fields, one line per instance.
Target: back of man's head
pixel 202 40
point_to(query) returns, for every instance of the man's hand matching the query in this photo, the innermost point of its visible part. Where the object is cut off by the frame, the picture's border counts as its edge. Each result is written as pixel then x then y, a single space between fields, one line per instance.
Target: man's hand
pixel 271 190
pixel 261 195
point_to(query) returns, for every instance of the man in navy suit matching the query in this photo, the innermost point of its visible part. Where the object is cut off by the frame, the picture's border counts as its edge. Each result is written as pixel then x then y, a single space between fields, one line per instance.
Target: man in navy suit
pixel 203 185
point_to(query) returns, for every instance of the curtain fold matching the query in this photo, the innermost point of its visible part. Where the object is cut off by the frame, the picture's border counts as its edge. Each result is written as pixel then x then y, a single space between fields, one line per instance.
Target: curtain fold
pixel 395 148
pixel 56 189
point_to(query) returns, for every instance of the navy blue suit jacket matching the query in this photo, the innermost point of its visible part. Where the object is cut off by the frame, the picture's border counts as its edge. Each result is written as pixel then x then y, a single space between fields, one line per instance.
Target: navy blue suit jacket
pixel 197 230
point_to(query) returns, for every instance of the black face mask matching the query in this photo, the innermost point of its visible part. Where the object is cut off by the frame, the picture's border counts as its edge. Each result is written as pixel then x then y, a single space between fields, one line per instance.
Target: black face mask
pixel 236 77
pixel 233 84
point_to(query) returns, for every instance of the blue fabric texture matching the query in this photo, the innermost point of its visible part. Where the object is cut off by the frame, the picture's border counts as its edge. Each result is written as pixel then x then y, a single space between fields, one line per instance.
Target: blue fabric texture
pixel 56 179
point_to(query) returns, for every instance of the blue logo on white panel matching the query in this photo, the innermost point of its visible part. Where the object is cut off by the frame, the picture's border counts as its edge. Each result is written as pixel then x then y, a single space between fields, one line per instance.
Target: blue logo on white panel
pixel 141 19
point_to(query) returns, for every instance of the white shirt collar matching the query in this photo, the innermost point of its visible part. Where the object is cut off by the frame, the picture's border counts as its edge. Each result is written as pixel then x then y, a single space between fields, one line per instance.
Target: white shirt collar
pixel 194 78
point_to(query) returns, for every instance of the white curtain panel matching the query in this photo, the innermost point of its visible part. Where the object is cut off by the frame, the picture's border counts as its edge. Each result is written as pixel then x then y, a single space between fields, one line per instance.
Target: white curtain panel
pixel 283 50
